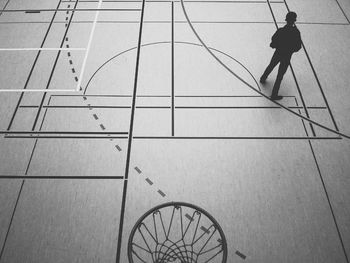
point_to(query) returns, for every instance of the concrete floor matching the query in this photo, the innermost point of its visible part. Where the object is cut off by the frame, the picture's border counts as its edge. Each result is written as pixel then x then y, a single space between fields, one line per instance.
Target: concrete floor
pixel 102 120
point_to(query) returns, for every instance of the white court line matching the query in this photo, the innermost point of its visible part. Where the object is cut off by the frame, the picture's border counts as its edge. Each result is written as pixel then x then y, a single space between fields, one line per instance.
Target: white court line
pixel 42 49
pixel 89 45
pixel 87 49
pixel 38 90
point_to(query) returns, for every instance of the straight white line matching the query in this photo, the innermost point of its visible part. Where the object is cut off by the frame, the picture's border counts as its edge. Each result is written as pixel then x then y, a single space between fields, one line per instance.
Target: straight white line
pixel 38 90
pixel 89 45
pixel 42 49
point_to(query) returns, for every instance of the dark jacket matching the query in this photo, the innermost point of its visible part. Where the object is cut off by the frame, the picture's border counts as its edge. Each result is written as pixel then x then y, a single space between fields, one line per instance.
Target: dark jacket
pixel 286 39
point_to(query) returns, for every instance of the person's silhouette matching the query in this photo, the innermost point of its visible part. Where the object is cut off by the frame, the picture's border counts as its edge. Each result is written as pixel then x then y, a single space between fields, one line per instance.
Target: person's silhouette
pixel 286 41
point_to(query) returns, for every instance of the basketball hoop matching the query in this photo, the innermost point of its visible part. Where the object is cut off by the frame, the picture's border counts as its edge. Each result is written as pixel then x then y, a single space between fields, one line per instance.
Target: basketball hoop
pixel 177 232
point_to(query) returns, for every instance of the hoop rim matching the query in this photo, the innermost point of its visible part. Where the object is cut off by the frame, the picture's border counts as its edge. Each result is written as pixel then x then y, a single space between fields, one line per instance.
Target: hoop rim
pixel 174 203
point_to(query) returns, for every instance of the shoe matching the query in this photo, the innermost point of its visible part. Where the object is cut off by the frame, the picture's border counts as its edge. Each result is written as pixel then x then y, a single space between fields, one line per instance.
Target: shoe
pixel 262 80
pixel 276 97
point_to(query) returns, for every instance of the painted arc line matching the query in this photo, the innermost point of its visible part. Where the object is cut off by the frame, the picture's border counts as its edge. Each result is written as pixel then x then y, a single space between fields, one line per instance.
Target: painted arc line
pixel 167 42
pixel 250 86
pixel 89 45
pixel 226 67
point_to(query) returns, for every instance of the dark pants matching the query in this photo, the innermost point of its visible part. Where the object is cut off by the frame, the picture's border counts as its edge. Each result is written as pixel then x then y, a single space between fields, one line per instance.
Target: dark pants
pixel 284 60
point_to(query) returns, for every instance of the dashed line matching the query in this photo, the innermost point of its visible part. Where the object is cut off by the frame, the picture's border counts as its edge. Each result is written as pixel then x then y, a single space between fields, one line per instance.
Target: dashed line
pixel 138 170
pixel 69 54
pixel 189 217
pixel 149 181
pixel 205 230
pixel 118 147
pixel 241 255
pixel 161 193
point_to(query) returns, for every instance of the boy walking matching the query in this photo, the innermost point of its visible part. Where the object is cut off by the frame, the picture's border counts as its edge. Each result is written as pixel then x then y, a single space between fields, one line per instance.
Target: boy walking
pixel 286 41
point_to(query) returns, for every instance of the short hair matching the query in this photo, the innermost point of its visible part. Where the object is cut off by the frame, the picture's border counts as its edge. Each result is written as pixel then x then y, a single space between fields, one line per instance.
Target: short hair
pixel 291 17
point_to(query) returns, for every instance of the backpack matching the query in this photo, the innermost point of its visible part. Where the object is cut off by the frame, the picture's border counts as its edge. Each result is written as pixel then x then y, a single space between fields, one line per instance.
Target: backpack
pixel 286 39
